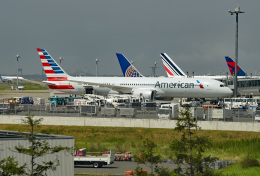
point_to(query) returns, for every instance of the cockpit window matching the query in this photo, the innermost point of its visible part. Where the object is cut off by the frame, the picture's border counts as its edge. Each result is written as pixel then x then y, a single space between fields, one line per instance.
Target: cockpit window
pixel 222 85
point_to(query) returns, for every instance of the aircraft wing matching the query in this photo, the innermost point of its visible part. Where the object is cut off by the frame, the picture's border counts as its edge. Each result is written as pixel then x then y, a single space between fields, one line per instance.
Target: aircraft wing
pixel 119 89
pixel 36 82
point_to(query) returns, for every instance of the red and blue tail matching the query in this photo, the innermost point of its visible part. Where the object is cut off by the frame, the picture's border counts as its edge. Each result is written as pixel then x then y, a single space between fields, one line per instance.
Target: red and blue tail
pixel 231 67
pixel 56 76
pixel 52 69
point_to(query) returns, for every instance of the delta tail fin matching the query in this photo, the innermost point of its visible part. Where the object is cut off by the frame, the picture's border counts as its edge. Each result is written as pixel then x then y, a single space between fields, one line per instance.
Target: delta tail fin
pixel 171 68
pixel 231 67
pixel 52 69
pixel 127 68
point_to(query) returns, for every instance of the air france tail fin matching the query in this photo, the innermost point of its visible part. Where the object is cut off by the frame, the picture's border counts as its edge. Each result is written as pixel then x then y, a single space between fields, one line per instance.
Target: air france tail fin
pixel 52 69
pixel 231 67
pixel 127 68
pixel 171 68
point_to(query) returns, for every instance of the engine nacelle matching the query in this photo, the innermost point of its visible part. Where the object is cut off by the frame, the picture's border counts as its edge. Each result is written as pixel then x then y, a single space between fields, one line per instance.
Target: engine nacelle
pixel 145 93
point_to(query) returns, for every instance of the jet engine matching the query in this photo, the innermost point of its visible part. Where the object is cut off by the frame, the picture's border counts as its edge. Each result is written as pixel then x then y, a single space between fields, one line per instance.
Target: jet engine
pixel 145 93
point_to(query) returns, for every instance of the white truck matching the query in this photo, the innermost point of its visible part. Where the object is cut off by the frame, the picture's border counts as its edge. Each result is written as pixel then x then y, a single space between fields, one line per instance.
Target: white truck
pixel 81 158
pixel 118 101
pixel 168 111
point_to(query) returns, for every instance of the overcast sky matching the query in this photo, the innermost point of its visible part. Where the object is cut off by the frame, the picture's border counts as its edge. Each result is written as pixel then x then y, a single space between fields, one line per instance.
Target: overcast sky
pixel 197 34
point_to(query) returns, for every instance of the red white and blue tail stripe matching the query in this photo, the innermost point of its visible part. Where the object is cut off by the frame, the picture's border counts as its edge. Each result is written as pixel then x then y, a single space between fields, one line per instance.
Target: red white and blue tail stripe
pixel 56 76
pixel 171 68
pixel 52 69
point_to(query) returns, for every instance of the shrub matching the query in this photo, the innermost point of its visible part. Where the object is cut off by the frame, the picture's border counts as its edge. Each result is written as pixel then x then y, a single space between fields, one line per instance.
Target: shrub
pixel 249 162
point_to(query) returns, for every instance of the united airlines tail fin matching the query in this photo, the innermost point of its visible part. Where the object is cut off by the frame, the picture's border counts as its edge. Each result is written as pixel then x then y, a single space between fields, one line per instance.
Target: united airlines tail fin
pixel 52 69
pixel 127 68
pixel 171 68
pixel 231 67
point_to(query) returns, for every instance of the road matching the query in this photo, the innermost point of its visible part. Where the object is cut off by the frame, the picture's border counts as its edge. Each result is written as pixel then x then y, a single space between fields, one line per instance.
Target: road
pixel 118 168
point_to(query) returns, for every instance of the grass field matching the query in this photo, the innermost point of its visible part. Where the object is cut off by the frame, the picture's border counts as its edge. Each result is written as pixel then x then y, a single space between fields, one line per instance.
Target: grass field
pixel 237 170
pixel 226 144
pixel 27 86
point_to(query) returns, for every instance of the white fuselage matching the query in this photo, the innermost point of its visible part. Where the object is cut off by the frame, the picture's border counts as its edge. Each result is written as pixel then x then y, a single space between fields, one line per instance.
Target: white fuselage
pixel 164 87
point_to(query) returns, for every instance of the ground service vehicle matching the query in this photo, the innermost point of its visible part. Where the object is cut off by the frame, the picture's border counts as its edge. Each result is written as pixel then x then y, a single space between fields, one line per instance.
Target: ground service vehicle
pixel 257 116
pixel 27 100
pixel 168 111
pixel 81 158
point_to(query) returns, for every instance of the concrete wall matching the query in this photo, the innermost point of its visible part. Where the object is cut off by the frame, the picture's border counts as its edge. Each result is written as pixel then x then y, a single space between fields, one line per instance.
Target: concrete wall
pixel 130 122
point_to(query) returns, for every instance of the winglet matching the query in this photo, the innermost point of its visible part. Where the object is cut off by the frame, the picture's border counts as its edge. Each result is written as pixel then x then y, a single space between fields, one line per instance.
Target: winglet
pixel 231 67
pixel 171 68
pixel 127 68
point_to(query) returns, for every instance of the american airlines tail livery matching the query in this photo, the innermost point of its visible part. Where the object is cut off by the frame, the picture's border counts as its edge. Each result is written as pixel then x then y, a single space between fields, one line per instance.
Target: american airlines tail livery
pixel 148 87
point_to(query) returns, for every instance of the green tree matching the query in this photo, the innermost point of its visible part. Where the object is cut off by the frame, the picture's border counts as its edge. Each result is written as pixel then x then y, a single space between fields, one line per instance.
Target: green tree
pixel 38 148
pixel 148 155
pixel 9 167
pixel 190 147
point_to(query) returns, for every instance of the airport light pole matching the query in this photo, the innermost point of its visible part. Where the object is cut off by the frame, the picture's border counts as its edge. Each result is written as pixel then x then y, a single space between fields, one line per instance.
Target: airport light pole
pixel 153 68
pixel 237 11
pixel 97 67
pixel 17 57
pixel 60 59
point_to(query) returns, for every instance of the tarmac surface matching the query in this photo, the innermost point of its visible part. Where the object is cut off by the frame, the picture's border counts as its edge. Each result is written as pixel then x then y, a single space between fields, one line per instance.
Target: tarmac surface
pixel 30 93
pixel 118 168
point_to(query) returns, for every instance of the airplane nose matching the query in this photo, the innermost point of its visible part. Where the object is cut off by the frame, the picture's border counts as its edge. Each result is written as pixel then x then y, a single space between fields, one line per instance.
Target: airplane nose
pixel 226 92
pixel 229 92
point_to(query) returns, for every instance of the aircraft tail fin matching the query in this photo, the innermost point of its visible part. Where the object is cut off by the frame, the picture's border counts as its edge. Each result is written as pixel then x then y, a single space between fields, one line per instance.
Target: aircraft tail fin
pixel 231 67
pixel 171 68
pixel 52 69
pixel 127 68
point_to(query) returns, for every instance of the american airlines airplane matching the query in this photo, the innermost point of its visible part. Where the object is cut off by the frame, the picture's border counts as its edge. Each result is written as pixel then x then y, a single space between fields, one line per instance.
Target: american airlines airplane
pixel 148 87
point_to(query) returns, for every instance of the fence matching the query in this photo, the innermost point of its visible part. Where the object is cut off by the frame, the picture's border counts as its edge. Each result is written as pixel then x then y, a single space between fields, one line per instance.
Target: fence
pixel 140 112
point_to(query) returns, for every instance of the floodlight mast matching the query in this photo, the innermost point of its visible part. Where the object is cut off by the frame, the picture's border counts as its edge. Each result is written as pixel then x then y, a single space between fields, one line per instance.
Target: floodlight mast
pixel 237 11
pixel 17 82
pixel 97 60
pixel 61 59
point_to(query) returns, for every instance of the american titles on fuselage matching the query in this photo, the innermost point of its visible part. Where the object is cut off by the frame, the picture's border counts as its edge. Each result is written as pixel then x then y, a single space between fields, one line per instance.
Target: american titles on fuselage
pixel 173 85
